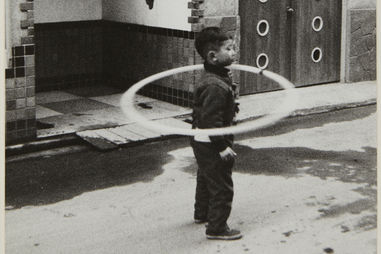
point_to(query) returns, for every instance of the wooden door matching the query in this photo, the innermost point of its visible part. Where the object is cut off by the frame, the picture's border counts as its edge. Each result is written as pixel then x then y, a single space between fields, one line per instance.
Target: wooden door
pixel 316 25
pixel 299 38
pixel 263 36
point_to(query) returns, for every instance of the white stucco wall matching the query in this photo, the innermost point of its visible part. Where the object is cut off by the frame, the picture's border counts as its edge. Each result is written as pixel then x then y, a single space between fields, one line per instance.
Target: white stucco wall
pixel 47 11
pixel 13 15
pixel 165 13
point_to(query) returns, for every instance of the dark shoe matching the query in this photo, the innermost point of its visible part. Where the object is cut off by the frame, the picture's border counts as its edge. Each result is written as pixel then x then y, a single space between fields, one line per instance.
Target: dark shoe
pixel 228 234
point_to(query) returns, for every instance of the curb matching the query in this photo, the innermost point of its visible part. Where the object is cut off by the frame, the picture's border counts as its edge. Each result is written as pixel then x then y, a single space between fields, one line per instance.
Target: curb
pixel 44 144
pixel 73 139
pixel 321 109
pixel 330 108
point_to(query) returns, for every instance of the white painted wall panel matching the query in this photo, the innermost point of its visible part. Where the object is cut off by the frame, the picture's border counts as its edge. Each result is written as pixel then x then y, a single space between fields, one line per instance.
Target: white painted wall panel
pixel 13 16
pixel 48 11
pixel 165 13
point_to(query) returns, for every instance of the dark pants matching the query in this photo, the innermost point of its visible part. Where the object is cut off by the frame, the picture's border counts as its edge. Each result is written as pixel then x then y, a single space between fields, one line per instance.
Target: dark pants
pixel 214 190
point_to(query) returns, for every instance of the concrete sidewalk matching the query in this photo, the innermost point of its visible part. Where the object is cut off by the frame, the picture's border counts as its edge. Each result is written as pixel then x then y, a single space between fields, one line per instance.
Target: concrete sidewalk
pixel 313 99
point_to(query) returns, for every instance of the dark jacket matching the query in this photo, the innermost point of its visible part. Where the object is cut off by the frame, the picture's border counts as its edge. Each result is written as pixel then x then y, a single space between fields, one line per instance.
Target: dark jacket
pixel 214 104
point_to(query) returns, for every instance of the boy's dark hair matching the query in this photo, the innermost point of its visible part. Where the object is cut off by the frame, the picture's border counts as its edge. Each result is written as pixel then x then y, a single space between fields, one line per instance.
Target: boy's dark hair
pixel 210 38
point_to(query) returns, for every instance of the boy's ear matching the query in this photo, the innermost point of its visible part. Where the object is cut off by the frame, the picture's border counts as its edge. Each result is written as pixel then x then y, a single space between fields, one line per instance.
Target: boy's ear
pixel 211 56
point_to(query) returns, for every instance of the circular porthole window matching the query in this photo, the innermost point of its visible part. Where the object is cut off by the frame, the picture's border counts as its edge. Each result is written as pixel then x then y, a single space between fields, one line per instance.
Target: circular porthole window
pixel 263 27
pixel 316 55
pixel 263 1
pixel 317 23
pixel 262 61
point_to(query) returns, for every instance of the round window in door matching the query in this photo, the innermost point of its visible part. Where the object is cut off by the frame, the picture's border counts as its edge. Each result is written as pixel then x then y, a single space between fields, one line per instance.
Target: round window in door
pixel 316 55
pixel 263 27
pixel 262 61
pixel 317 23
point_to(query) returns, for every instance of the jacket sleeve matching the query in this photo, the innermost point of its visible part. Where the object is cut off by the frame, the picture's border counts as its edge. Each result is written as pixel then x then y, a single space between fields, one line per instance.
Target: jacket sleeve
pixel 213 106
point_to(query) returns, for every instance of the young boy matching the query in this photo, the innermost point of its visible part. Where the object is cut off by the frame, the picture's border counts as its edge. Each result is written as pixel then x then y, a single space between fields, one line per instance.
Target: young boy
pixel 214 106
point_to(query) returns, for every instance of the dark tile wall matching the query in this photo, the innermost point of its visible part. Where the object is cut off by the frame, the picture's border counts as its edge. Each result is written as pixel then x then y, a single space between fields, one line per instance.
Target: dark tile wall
pixel 22 62
pixel 114 54
pixel 134 52
pixel 20 83
pixel 68 54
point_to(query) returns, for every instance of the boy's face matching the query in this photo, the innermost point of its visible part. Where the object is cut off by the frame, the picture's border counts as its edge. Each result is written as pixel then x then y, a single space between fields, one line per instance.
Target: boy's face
pixel 226 55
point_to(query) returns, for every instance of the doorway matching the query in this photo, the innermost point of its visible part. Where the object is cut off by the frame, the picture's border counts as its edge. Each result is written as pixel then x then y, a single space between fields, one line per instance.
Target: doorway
pixel 298 39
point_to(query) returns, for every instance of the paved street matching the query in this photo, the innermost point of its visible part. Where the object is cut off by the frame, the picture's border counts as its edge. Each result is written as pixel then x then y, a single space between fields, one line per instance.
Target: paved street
pixel 305 185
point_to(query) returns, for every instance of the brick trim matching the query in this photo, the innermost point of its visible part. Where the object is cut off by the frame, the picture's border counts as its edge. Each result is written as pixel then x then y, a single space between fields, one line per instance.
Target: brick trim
pixel 28 23
pixel 197 15
pixel 26 6
pixel 20 82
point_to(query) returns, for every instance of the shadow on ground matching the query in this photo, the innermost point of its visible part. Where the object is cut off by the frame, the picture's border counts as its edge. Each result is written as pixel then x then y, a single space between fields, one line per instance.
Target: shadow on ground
pixel 52 179
pixel 347 166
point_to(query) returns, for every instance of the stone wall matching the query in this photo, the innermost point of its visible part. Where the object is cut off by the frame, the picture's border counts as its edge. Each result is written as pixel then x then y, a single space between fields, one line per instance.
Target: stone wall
pixel 218 13
pixel 220 7
pixel 361 62
pixel 362 4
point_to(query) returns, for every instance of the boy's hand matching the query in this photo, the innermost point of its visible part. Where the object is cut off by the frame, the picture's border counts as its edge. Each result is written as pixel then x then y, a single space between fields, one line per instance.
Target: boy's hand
pixel 227 154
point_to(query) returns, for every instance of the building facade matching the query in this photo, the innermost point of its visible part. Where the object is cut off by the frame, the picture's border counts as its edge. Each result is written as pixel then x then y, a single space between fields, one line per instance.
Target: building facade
pixel 53 44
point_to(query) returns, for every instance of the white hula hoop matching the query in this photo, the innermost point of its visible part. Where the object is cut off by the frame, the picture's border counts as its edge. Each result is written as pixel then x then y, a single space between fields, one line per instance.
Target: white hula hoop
pixel 284 109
